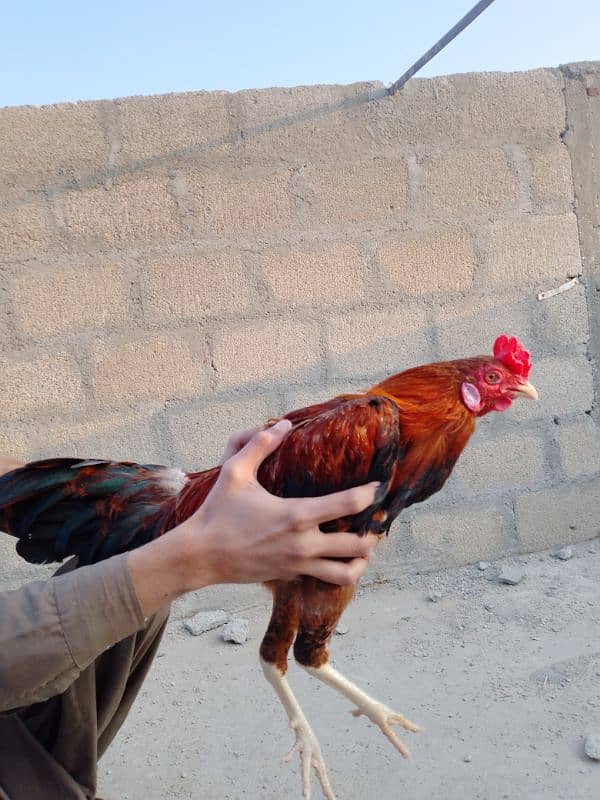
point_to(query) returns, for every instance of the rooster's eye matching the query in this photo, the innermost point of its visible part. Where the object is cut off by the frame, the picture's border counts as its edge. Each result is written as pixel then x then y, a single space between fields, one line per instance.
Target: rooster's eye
pixel 492 377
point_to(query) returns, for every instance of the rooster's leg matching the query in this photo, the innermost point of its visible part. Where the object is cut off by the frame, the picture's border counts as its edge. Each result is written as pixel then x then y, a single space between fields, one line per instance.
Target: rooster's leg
pixel 273 651
pixel 321 609
pixel 306 743
pixel 377 712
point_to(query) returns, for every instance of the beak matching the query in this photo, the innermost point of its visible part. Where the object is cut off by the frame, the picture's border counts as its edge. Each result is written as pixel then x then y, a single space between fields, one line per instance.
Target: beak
pixel 526 390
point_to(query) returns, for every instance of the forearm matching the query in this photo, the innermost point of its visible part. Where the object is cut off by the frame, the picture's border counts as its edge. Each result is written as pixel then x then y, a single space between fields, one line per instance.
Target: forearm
pixel 51 630
pixel 168 567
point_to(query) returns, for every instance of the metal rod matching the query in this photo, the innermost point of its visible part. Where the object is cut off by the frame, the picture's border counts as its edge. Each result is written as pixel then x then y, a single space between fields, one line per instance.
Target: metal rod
pixel 452 33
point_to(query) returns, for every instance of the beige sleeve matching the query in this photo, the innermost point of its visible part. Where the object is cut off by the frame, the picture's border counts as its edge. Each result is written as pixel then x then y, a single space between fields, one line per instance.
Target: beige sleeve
pixel 51 630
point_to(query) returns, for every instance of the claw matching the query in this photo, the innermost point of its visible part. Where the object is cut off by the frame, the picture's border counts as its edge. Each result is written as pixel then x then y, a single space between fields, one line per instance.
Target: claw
pixel 384 718
pixel 307 746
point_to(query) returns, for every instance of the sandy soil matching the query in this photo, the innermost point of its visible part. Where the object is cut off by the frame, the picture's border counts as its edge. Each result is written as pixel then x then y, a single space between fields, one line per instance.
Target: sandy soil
pixel 504 679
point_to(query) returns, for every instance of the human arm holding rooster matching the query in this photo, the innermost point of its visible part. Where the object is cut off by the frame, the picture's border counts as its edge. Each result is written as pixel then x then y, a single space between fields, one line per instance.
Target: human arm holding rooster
pixel 242 534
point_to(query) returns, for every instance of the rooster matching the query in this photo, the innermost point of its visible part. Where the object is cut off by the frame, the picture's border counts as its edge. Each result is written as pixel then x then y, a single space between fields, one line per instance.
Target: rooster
pixel 406 432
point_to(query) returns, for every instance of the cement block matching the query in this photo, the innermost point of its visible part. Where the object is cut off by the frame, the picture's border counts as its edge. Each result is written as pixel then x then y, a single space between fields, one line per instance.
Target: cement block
pixel 25 229
pixel 101 435
pixel 159 368
pixel 562 321
pixel 40 382
pixel 579 442
pixel 305 124
pixel 459 534
pixel 200 435
pixel 173 126
pixel 551 178
pixel 500 461
pixel 442 260
pixel 469 327
pixel 69 299
pixel 564 385
pixel 535 251
pixel 52 143
pixel 358 191
pixel 558 515
pixel 14 442
pixel 267 351
pixel 130 211
pixel 427 112
pixel 377 342
pixel 478 179
pixel 240 203
pixel 327 275
pixel 300 397
pixel 194 284
pixel 512 105
pixel 131 441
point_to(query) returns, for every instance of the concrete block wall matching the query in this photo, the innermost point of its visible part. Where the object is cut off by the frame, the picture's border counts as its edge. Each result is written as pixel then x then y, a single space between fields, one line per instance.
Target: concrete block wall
pixel 174 268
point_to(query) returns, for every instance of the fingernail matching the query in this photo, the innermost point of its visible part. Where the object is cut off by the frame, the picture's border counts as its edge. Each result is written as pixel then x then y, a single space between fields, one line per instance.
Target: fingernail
pixel 282 425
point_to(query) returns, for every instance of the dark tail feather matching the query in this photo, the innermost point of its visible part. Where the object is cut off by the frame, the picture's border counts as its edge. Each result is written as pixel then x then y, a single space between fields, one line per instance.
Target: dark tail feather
pixel 92 509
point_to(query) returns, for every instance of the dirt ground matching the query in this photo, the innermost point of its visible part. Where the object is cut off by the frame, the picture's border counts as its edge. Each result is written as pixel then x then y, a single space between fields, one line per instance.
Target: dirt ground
pixel 504 679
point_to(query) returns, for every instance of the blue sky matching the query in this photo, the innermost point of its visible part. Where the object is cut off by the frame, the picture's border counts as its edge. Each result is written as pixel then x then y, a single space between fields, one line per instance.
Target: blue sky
pixel 54 50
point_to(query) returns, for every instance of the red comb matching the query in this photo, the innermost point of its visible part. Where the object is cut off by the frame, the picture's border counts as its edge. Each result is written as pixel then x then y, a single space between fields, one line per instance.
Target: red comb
pixel 513 355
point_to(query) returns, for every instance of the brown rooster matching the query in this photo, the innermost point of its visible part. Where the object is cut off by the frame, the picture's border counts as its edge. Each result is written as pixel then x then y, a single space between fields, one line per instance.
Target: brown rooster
pixel 406 432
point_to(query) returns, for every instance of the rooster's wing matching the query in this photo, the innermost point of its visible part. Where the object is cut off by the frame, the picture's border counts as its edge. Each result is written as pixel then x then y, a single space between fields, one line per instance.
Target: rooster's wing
pixel 334 446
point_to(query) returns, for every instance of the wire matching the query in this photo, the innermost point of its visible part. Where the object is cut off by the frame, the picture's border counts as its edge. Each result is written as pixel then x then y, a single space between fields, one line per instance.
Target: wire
pixel 452 33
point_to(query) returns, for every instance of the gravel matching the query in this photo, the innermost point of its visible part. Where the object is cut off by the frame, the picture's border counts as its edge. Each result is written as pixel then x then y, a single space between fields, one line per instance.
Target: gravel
pixel 565 553
pixel 341 629
pixel 592 746
pixel 237 630
pixel 206 621
pixel 511 575
pixel 435 597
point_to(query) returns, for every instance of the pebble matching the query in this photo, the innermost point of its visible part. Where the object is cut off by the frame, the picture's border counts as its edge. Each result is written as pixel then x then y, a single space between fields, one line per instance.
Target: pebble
pixel 511 575
pixel 341 629
pixel 592 746
pixel 483 565
pixel 206 621
pixel 565 553
pixel 237 630
pixel 435 597
pixel 467 759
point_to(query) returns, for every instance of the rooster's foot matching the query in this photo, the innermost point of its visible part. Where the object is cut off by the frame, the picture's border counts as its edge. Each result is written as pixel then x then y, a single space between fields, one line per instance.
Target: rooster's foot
pixel 384 717
pixel 307 745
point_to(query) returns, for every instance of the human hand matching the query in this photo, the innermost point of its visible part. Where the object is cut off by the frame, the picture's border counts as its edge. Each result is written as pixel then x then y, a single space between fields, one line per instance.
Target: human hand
pixel 244 534
pixel 240 439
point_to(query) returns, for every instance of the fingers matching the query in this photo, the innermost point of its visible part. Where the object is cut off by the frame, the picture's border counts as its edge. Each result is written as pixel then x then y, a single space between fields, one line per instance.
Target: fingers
pixel 315 510
pixel 344 545
pixel 261 445
pixel 338 572
pixel 237 440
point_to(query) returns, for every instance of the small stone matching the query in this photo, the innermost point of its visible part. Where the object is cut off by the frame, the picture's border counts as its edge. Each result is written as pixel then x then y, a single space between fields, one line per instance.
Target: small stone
pixel 488 606
pixel 435 597
pixel 592 746
pixel 483 565
pixel 236 630
pixel 511 575
pixel 565 553
pixel 467 759
pixel 206 621
pixel 341 629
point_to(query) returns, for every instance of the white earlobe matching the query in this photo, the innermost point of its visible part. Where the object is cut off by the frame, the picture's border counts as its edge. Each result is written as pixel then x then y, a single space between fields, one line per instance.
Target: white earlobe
pixel 470 396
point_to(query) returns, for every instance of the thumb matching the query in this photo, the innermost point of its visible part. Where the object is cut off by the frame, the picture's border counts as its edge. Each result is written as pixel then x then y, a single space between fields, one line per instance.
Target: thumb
pixel 262 444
